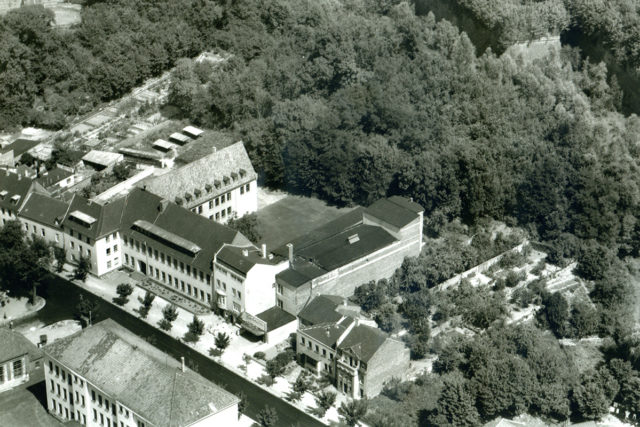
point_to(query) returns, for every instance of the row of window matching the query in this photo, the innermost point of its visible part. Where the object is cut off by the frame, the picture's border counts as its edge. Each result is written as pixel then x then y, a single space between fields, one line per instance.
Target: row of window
pixel 219 215
pixel 229 273
pixel 141 247
pixel 222 285
pixel 8 212
pixel 317 348
pixel 172 281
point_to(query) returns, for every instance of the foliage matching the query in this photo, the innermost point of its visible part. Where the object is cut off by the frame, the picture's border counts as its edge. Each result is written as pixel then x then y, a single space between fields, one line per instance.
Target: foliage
pixel 267 417
pixel 87 310
pixel 260 355
pixel 277 365
pixel 145 304
pixel 293 396
pixel 123 290
pixel 170 313
pixel 243 404
pixel 82 269
pixel 303 382
pixel 164 324
pixel 60 255
pixel 455 405
pixel 325 400
pixel 353 411
pixel 265 379
pixel 247 225
pixel 195 330
pixel 222 340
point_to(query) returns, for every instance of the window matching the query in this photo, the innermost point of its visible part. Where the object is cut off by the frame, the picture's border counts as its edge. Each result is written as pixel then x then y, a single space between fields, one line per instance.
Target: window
pixel 108 251
pixel 279 288
pixel 233 291
pixel 17 368
pixel 210 204
pixel 242 190
pixel 217 201
pixel 114 236
pixel 228 196
pixel 239 295
pixel 324 352
pixel 189 289
pixel 2 377
pixel 100 400
pixel 89 252
pixel 164 277
pixel 279 303
pixel 182 285
pixel 57 371
pixel 200 209
pixel 217 216
pixel 202 295
pixel 162 257
pixel 58 388
pixel 208 297
pixel 317 348
pixel 72 245
pixel 57 238
pixel 223 214
pixel 108 238
pixel 42 232
pixel 155 254
pixel 115 248
pixel 182 266
pixel 229 211
pixel 95 415
pixel 126 259
pixel 302 340
pixel 236 307
pixel 93 395
pixel 108 264
pixel 248 187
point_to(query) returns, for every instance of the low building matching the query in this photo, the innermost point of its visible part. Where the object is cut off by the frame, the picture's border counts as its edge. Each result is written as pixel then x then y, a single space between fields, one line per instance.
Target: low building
pixel 335 340
pixel 107 376
pixel 18 359
pixel 102 160
pixel 220 186
pixel 57 178
pixel 360 246
pixel 14 189
pixel 12 153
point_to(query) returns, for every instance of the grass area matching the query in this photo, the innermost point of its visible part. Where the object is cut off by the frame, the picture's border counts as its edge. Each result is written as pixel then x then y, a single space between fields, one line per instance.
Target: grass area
pixel 294 216
pixel 24 406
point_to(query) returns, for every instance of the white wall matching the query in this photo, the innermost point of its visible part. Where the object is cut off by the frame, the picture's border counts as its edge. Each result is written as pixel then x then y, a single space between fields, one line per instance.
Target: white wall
pixel 226 417
pixel 10 380
pixel 242 202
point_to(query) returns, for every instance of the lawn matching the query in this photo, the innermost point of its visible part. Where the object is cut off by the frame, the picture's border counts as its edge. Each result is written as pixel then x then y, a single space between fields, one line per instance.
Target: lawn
pixel 24 407
pixel 293 216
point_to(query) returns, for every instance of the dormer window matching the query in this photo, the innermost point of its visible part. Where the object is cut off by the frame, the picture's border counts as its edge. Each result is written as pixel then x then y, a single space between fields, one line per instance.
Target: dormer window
pixel 178 200
pixel 15 199
pixel 217 183
pixel 208 187
pixel 187 196
pixel 242 173
pixel 3 194
pixel 197 192
pixel 234 176
pixel 226 179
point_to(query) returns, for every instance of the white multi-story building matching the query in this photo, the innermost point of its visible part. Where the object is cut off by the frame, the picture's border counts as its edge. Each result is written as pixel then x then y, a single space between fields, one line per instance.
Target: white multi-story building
pixel 107 376
pixel 42 217
pixel 220 186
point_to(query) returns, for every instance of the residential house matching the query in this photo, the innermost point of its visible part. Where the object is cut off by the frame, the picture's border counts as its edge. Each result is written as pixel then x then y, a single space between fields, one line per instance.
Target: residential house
pixel 360 246
pixel 107 376
pixel 219 186
pixel 12 153
pixel 336 340
pixel 42 217
pixel 14 189
pixel 18 358
pixel 57 178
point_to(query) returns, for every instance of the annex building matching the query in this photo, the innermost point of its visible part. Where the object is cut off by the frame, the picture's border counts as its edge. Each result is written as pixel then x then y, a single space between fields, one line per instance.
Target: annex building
pixel 107 376
pixel 18 359
pixel 362 245
pixel 14 189
pixel 220 186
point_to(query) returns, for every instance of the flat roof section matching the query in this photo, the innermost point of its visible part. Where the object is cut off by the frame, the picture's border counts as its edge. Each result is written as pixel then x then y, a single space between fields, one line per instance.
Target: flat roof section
pixel 194 132
pixel 179 138
pixel 161 234
pixel 87 219
pixel 163 145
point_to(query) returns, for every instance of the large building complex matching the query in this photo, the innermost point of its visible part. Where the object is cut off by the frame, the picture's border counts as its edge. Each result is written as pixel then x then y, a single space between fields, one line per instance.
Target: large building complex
pixel 106 376
pixel 220 186
pixel 362 245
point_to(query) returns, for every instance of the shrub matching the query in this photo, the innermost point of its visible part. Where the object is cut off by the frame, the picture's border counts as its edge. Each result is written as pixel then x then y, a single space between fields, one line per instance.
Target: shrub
pixel 215 352
pixel 265 380
pixel 267 417
pixel 222 341
pixel 293 396
pixel 164 324
pixel 191 337
pixel 260 355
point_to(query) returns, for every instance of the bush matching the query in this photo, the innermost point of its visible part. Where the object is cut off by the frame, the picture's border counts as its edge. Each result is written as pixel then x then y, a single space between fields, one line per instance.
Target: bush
pixel 164 324
pixel 215 352
pixel 260 355
pixel 267 417
pixel 265 380
pixel 191 337
pixel 196 327
pixel 514 278
pixel 293 396
pixel 170 313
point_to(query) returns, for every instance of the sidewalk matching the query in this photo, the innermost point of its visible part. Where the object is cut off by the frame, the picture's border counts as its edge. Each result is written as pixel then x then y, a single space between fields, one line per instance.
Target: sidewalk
pixel 233 357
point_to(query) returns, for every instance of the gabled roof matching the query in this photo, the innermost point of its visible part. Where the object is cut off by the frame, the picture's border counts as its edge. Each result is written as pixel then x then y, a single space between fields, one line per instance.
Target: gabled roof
pixel 134 372
pixel 395 210
pixel 328 333
pixel 210 175
pixel 322 309
pixel 15 345
pixel 53 177
pixel 234 257
pixel 364 341
pixel 20 146
pixel 106 217
pixel 14 185
pixel 275 317
pixel 44 209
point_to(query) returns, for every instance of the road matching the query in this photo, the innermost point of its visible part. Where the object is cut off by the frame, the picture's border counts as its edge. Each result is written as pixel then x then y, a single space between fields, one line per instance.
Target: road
pixel 62 296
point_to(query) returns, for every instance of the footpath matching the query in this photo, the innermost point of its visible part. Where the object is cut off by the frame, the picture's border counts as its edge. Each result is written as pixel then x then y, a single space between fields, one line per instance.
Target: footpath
pixel 237 357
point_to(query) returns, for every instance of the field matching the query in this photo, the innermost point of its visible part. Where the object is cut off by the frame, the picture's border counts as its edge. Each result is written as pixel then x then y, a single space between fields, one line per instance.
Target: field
pixel 283 217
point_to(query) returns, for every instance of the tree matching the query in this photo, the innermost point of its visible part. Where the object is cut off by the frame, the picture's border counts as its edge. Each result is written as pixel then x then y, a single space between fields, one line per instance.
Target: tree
pixel 145 304
pixel 589 397
pixel 82 269
pixel 121 171
pixel 387 318
pixel 87 310
pixel 267 417
pixel 222 340
pixel 169 314
pixel 243 404
pixel 455 405
pixel 353 411
pixel 325 400
pixel 556 312
pixel 123 290
pixel 248 226
pixel 196 329
pixel 60 255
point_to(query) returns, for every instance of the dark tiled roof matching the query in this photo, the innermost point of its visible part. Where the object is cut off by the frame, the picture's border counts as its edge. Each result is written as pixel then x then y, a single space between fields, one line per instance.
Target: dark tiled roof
pixel 20 146
pixel 54 176
pixel 337 250
pixel 14 185
pixel 107 217
pixel 322 309
pixel 328 333
pixel 302 272
pixel 44 209
pixel 275 318
pixel 15 345
pixel 364 341
pixel 202 173
pixel 397 211
pixel 233 257
pixel 138 374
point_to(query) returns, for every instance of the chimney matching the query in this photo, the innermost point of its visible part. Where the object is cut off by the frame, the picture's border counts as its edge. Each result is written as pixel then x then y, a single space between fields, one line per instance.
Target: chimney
pixel 344 302
pixel 19 176
pixel 264 250
pixel 245 252
pixel 182 360
pixel 290 246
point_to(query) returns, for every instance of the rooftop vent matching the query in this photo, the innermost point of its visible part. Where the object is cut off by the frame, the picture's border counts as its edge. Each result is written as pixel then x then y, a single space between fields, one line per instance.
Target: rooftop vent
pixel 245 252
pixel 353 239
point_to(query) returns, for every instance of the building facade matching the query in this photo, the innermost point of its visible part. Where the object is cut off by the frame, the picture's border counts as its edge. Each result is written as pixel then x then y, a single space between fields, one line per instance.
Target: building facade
pixel 106 376
pixel 18 359
pixel 220 186
pixel 14 189
pixel 363 245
